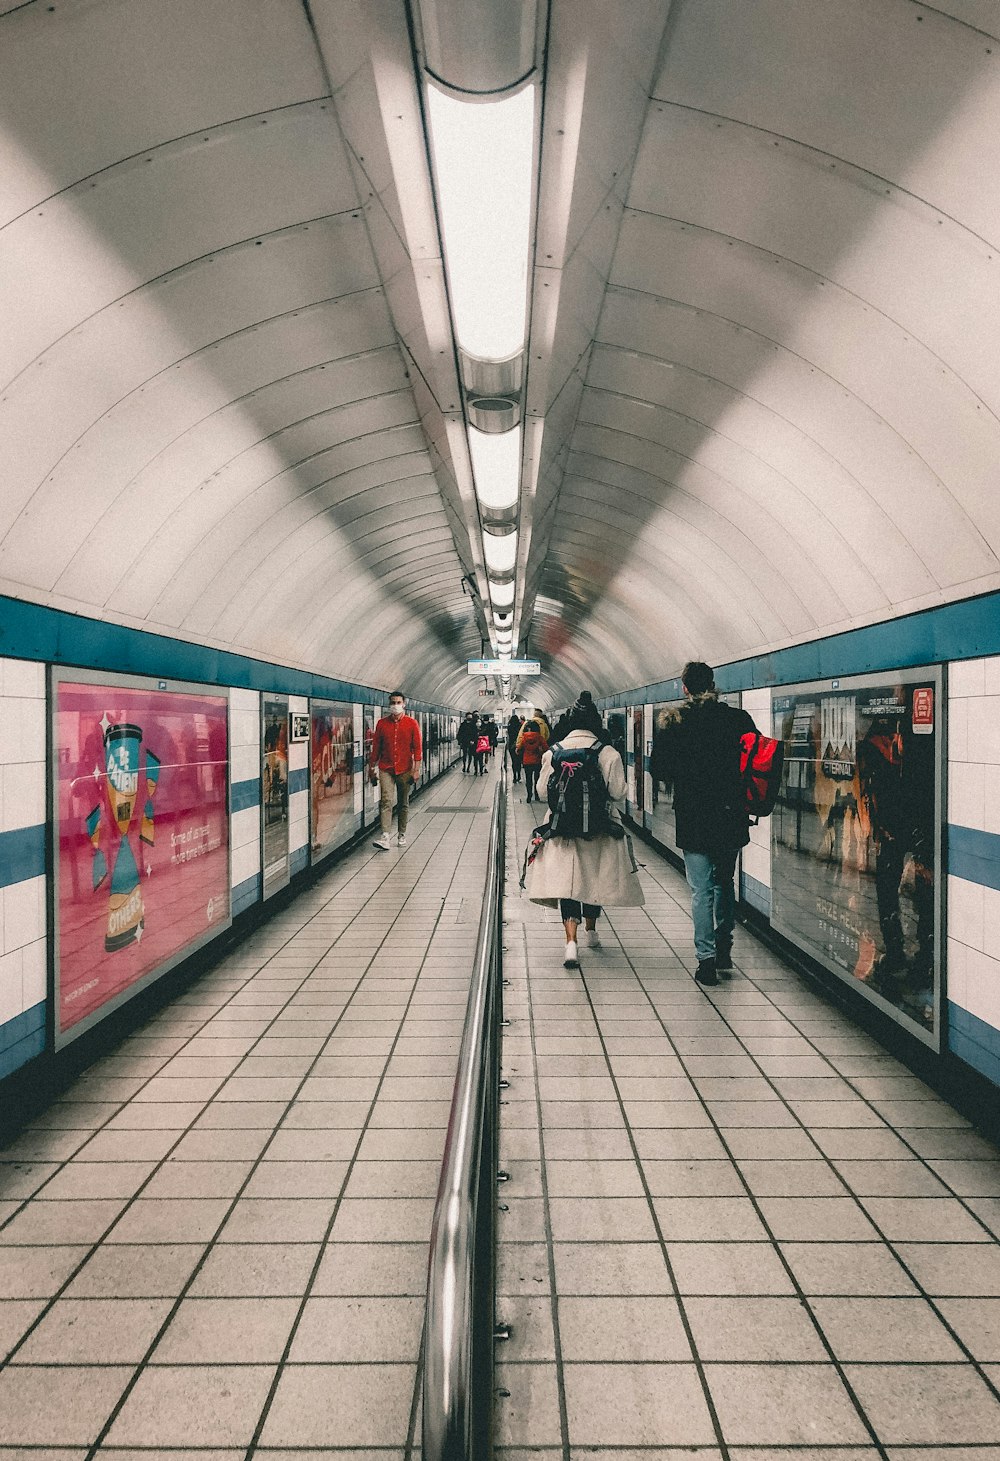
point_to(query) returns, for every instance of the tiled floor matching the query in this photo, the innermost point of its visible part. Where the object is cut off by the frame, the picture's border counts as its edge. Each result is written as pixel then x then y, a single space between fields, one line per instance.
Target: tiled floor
pixel 216 1243
pixel 736 1229
pixel 735 1226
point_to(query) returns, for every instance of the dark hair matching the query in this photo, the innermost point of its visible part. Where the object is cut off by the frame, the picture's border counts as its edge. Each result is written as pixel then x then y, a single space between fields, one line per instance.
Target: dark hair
pixel 697 677
pixel 584 717
pixel 397 694
pixel 531 725
pixel 585 698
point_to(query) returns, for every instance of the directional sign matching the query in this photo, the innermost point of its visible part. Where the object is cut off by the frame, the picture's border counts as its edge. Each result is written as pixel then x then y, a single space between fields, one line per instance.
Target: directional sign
pixel 505 667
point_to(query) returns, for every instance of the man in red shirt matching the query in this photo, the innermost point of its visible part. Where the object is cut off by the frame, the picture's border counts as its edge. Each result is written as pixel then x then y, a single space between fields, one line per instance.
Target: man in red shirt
pixel 394 761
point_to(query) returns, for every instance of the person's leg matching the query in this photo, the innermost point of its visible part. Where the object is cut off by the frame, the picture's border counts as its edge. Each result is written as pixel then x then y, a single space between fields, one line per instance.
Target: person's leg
pixel 591 913
pixel 386 783
pixel 531 782
pixel 698 871
pixel 403 785
pixel 571 914
pixel 724 907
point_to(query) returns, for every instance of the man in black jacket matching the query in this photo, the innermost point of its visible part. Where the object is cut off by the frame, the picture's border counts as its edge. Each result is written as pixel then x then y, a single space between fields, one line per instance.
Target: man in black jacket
pixel 698 754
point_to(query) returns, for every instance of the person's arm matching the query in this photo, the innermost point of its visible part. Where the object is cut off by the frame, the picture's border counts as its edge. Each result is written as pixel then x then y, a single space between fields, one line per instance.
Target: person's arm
pixel 375 752
pixel 543 775
pixel 613 772
pixel 418 748
pixel 520 740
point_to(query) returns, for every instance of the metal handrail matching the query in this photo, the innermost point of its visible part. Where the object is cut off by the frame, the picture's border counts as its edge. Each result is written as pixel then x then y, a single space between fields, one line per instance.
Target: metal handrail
pixel 459 1318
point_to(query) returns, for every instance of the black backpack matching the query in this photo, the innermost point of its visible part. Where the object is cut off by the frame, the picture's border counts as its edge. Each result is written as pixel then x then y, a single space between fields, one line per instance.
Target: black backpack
pixel 578 795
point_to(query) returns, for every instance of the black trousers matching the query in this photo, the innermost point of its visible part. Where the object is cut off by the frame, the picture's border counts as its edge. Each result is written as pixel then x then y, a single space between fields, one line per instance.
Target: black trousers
pixel 570 908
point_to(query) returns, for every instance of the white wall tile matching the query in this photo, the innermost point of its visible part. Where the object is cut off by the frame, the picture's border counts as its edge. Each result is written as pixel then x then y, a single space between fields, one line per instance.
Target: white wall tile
pixel 298 820
pixel 965 911
pixel 22 797
pixel 991 668
pixel 957 979
pixel 984 729
pixel 757 703
pixel 991 922
pixel 982 988
pixel 24 677
pixel 991 784
pixel 757 864
pixel 958 730
pixel 35 974
pixel 22 729
pixel 967 794
pixel 245 862
pixel 244 827
pixel 243 700
pixel 244 763
pixel 967 677
pixel 23 913
pixel 11 985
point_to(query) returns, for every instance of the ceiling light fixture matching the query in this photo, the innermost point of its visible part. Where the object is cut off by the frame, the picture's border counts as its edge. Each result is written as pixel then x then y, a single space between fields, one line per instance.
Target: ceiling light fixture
pixel 483 153
pixel 502 594
pixel 496 468
pixel 500 552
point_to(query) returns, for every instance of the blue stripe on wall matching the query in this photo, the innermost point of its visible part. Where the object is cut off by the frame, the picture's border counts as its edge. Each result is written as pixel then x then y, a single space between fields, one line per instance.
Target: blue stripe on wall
pixel 35 632
pixel 974 1041
pixel 298 780
pixel 246 894
pixel 22 855
pixel 298 860
pixel 244 794
pixel 21 1039
pixel 974 855
pixel 966 630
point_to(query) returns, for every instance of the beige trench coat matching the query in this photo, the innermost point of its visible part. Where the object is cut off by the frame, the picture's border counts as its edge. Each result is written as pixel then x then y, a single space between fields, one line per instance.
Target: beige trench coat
pixel 599 870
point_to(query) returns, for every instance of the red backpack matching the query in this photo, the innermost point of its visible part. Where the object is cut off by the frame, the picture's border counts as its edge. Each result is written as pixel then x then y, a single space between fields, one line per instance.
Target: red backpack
pixel 761 761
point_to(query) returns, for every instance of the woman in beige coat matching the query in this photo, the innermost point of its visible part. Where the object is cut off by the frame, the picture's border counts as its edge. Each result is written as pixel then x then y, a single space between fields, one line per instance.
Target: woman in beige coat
pixel 579 875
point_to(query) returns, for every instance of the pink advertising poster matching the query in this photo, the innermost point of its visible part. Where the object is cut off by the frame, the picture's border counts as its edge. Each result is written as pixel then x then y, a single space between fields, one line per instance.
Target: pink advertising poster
pixel 142 836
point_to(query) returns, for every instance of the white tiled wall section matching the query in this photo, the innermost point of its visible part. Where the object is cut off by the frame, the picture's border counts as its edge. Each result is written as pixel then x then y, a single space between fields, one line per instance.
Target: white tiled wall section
pixel 974 801
pixel 244 766
pixel 757 856
pixel 23 978
pixel 298 761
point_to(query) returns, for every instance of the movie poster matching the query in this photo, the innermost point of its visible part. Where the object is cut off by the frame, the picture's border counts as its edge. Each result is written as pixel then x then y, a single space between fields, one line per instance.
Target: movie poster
pixel 855 834
pixel 371 792
pixel 141 836
pixel 332 778
pixel 274 793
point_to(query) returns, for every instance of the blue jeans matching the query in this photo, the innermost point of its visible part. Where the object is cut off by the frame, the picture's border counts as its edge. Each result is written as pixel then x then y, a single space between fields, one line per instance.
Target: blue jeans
pixel 713 899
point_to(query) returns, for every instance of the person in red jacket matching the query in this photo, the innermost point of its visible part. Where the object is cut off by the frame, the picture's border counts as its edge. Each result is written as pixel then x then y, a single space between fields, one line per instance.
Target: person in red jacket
pixel 394 761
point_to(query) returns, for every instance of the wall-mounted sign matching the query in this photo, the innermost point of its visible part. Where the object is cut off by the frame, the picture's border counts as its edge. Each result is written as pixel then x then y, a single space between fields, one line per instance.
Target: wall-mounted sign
pixel 300 726
pixel 504 667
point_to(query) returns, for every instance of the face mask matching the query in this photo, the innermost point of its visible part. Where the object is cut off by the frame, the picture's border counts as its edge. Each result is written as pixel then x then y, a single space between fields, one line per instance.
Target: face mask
pixel 396 710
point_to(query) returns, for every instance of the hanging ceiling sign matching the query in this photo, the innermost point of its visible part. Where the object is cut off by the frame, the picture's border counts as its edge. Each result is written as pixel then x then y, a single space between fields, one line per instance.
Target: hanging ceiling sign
pixel 505 667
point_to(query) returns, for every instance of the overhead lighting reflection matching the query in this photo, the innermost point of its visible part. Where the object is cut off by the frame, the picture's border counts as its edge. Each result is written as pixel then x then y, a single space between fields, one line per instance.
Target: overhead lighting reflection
pixel 483 163
pixel 496 467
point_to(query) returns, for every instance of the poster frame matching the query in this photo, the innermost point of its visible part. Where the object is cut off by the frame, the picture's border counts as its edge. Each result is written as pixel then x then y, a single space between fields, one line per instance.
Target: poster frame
pixel 65 674
pixel 318 704
pixel 908 675
pixel 268 887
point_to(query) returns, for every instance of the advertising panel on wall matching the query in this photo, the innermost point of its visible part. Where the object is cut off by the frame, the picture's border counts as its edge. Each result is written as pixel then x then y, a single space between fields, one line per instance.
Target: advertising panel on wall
pixel 141 835
pixel 372 713
pixel 332 780
pixel 855 834
pixel 274 793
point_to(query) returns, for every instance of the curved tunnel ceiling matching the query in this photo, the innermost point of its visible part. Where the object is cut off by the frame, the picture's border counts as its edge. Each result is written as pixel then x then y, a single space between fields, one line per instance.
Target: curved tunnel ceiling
pixel 762 399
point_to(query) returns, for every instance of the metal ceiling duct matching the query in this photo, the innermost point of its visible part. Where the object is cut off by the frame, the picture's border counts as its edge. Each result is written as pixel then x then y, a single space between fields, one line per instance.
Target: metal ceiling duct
pixel 481 46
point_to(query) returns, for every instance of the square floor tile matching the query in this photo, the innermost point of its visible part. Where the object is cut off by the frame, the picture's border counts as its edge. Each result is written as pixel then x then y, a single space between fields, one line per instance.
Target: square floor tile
pixel 31 1273
pixel 227 1332
pixel 734 1328
pixel 374 1268
pixel 815 1219
pixel 342 1405
pixel 929 1404
pixel 62 1406
pixel 75 1331
pixel 188 1405
pixel 246 1270
pixel 622 1329
pixel 597 1219
pixel 977 1324
pixel 711 1219
pixel 610 1268
pixel 728 1268
pixel 880 1330
pixel 358 1331
pixel 849 1269
pixel 783 1405
pixel 126 1271
pixel 527 1408
pixel 636 1405
pixel 522 1269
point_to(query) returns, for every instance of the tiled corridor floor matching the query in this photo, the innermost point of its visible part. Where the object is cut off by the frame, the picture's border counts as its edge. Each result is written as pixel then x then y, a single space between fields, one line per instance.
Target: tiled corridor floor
pixel 737 1230
pixel 217 1240
pixel 736 1226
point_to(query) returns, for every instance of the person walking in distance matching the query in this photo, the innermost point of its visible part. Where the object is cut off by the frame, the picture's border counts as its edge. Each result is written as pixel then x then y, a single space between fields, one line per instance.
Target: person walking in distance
pixel 466 736
pixel 514 726
pixel 532 750
pixel 580 859
pixel 698 755
pixel 394 762
pixel 481 748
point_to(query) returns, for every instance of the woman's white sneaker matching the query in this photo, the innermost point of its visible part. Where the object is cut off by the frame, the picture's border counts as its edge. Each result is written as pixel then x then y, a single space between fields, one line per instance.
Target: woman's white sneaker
pixel 593 938
pixel 382 843
pixel 571 958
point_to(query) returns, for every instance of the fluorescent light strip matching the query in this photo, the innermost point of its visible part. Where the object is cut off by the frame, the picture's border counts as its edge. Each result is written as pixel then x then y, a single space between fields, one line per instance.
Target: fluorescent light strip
pixel 483 156
pixel 502 594
pixel 496 467
pixel 500 552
